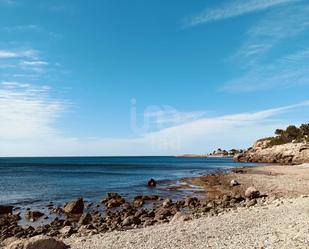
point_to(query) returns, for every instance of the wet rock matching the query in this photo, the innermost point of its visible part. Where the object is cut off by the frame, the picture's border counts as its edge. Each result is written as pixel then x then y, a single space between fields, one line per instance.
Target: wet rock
pixel 251 193
pixel 234 183
pixel 33 215
pixel 37 242
pixel 138 201
pixel 152 183
pixel 6 209
pixel 113 200
pixel 191 202
pixel 74 207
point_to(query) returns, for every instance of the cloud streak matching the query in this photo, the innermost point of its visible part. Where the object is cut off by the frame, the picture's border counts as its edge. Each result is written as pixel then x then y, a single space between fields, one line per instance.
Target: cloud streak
pixel 29 116
pixel 233 9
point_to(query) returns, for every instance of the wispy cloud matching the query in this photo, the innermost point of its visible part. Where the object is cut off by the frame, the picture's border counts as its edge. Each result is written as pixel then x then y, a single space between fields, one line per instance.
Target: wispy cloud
pixel 233 9
pixel 29 115
pixel 265 67
pixel 22 28
pixel 7 54
pixel 27 111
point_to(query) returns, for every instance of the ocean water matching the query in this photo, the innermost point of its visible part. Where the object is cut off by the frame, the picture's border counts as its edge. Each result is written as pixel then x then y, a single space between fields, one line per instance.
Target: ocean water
pixel 37 181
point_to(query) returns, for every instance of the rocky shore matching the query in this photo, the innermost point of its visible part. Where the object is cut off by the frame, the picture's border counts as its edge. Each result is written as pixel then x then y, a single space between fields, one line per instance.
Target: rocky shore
pixel 240 189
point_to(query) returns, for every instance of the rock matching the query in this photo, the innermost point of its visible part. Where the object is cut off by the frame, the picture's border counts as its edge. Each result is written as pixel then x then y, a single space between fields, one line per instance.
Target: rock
pixel 234 183
pixel 252 192
pixel 33 215
pixel 251 203
pixel 179 216
pixel 74 207
pixel 6 209
pixel 290 153
pixel 113 200
pixel 85 219
pixel 37 242
pixel 66 231
pixel 138 201
pixel 131 220
pixel 152 183
pixel 167 203
pixel 191 202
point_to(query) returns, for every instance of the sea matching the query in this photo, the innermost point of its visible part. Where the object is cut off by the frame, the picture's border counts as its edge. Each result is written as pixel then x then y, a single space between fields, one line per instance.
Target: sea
pixel 34 182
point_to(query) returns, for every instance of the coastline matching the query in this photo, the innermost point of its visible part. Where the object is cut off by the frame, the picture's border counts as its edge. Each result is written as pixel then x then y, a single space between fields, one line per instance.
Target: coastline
pixel 273 182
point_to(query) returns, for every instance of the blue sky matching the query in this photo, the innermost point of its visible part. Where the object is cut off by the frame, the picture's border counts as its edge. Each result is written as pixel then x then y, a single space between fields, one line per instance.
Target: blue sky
pixel 149 77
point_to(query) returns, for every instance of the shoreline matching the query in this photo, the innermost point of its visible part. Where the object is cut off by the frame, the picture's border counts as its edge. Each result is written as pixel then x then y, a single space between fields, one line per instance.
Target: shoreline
pixel 217 196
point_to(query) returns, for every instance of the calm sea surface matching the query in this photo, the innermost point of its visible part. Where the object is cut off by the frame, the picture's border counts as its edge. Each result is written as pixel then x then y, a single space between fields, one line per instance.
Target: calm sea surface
pixel 37 181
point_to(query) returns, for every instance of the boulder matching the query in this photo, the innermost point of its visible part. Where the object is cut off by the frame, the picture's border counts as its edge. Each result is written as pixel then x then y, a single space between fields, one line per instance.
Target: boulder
pixel 234 183
pixel 152 183
pixel 74 207
pixel 252 192
pixel 6 209
pixel 251 203
pixel 37 242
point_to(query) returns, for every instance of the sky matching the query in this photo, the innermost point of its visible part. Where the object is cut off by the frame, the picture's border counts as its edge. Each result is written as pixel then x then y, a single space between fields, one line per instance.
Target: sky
pixel 125 78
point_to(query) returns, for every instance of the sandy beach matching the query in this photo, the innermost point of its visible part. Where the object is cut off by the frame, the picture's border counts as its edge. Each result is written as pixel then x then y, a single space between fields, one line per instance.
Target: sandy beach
pixel 281 220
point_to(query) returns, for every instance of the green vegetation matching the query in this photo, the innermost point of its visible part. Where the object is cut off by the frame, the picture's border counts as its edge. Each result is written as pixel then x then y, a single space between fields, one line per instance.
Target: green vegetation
pixel 289 135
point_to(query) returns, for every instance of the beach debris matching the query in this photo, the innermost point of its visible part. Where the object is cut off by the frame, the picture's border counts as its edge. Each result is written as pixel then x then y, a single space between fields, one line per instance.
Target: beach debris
pixel 37 242
pixel 252 192
pixel 152 183
pixel 6 209
pixel 33 215
pixel 113 200
pixel 234 183
pixel 74 207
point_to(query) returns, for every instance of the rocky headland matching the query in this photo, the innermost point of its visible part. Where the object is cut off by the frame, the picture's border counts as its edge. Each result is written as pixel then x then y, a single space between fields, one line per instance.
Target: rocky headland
pixel 290 146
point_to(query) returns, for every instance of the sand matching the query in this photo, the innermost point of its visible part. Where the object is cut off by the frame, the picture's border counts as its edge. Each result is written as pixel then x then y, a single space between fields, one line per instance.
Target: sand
pixel 277 223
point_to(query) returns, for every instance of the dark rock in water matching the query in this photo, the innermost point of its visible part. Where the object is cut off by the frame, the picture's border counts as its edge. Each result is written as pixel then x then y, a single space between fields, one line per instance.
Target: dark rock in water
pixel 33 215
pixel 6 209
pixel 74 207
pixel 152 183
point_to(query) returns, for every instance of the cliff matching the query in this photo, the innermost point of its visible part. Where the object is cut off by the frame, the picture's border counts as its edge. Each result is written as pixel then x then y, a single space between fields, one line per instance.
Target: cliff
pixel 261 152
